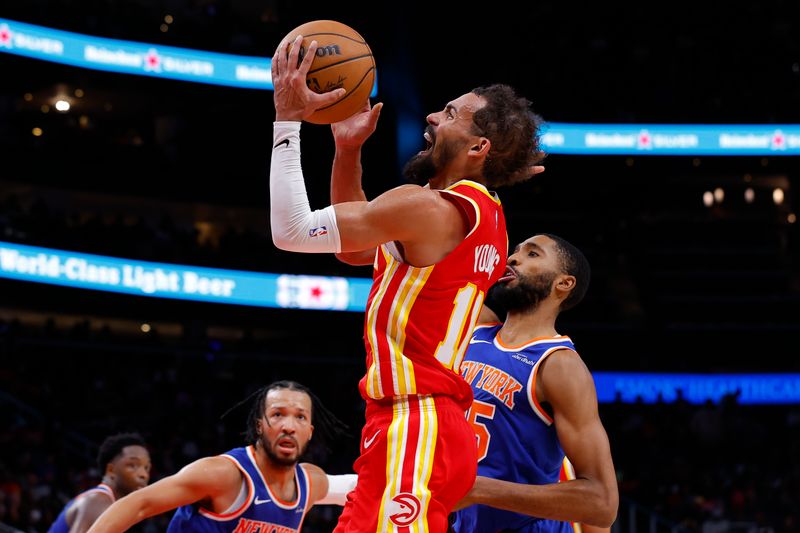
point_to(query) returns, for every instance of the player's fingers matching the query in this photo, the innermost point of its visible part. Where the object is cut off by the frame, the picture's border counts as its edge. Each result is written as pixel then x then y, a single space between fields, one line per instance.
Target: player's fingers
pixel 330 97
pixel 280 57
pixel 375 113
pixel 536 169
pixel 294 54
pixel 305 66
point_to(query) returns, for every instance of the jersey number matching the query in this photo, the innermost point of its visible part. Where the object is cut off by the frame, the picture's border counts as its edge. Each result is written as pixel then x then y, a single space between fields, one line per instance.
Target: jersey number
pixel 483 410
pixel 466 306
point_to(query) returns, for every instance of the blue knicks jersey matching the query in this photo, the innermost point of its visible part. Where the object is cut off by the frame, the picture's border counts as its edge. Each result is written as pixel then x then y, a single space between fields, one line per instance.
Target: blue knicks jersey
pixel 516 437
pixel 256 510
pixel 61 525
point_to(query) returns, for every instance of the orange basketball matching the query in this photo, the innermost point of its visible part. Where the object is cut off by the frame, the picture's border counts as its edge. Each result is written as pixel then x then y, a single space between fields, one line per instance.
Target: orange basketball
pixel 343 59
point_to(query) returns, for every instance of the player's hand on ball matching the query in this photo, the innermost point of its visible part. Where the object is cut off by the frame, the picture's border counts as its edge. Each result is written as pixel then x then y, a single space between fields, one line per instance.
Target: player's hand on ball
pixel 293 99
pixel 353 132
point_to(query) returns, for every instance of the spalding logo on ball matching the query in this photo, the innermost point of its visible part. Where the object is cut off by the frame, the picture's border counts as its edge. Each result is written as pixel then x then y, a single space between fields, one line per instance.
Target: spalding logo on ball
pixel 343 59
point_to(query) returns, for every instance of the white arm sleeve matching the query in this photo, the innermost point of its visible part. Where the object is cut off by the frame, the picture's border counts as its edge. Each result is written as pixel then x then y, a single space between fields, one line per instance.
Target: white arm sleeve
pixel 294 226
pixel 338 488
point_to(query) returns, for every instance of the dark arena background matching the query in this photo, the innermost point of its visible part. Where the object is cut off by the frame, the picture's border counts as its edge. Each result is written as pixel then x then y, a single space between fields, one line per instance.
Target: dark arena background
pixel 691 324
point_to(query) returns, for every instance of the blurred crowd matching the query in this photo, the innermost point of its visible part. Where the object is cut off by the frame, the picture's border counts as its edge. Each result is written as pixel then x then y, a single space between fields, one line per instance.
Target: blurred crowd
pixel 712 467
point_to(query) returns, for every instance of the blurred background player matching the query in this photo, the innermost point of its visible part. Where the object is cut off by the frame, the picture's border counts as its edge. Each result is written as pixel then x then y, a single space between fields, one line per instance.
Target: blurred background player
pixel 261 485
pixel 535 402
pixel 437 245
pixel 125 463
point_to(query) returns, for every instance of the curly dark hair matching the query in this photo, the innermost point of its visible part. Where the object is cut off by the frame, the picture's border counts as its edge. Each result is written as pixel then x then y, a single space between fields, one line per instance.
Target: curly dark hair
pixel 114 445
pixel 513 129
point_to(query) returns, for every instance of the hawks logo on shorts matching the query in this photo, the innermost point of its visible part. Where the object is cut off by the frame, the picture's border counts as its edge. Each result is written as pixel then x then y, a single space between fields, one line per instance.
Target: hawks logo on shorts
pixel 406 509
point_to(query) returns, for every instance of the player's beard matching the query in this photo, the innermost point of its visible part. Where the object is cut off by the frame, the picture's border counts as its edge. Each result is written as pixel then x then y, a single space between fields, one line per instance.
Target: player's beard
pixel 420 169
pixel 269 449
pixel 423 167
pixel 526 294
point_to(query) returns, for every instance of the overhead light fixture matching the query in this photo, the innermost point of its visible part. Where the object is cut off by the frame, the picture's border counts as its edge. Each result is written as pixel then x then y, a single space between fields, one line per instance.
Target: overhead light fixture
pixel 777 196
pixel 749 195
pixel 62 105
pixel 708 198
pixel 719 195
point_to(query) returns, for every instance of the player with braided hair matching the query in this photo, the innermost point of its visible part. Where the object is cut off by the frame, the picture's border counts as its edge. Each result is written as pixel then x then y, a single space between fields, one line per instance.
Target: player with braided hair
pixel 259 487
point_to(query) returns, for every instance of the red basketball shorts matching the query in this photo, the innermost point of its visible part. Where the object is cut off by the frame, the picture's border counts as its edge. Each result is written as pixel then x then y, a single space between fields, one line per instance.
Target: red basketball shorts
pixel 418 459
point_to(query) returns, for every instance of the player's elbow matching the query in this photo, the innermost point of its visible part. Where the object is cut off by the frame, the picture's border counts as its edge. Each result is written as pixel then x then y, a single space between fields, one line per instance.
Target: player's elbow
pixel 608 517
pixel 285 240
pixel 282 243
pixel 607 506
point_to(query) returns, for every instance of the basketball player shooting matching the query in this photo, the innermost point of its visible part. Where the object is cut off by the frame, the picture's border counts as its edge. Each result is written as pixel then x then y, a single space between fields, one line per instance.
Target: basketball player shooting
pixel 437 245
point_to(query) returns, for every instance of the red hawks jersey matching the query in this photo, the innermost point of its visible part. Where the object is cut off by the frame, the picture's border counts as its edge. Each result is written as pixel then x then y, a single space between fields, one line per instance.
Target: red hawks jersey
pixel 419 319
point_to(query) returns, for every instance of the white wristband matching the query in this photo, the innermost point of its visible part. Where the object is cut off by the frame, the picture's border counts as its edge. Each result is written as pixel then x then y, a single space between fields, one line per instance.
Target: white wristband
pixel 294 226
pixel 338 489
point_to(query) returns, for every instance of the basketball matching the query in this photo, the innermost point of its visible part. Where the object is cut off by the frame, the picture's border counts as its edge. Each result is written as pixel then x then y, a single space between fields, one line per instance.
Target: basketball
pixel 343 59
